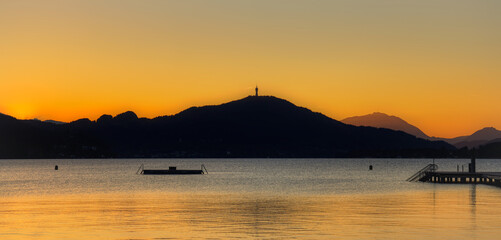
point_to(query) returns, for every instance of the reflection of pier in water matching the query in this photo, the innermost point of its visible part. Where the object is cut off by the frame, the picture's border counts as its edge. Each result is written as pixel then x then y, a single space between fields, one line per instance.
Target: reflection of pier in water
pixel 473 199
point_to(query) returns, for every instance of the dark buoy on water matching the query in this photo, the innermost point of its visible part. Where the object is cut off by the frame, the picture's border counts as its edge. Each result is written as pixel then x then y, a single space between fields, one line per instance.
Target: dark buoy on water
pixel 56 168
pixel 370 167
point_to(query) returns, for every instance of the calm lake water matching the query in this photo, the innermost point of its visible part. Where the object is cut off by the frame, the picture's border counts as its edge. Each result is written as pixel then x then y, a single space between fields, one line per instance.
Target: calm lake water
pixel 243 199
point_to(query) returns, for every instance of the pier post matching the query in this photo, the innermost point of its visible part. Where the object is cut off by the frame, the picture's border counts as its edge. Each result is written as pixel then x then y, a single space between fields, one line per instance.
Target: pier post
pixel 472 166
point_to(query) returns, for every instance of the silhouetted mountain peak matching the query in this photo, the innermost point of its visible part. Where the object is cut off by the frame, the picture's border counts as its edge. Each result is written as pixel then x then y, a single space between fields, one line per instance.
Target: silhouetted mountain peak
pixel 126 116
pixel 82 122
pixel 105 118
pixel 380 114
pixel 254 110
pixel 253 101
pixel 480 137
pixel 261 103
pixel 264 100
pixel 488 129
pixel 487 133
pixel 382 120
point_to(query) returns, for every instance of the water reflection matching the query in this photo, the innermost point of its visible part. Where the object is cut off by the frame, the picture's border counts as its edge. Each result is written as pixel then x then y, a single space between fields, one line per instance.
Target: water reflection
pixel 303 199
pixel 473 197
pixel 146 215
pixel 473 206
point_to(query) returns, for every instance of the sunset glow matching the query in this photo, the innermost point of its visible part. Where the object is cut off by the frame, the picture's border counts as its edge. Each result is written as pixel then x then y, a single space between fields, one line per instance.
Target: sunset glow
pixel 435 64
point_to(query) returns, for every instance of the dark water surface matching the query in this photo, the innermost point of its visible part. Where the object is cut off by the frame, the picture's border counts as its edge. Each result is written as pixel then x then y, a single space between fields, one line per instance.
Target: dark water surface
pixel 243 198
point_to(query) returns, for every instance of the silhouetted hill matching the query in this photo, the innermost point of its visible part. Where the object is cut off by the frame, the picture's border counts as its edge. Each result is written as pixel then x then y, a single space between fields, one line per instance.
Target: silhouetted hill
pixel 480 137
pixel 249 127
pixel 493 141
pixel 489 150
pixel 485 133
pixel 54 122
pixel 381 120
pixel 6 118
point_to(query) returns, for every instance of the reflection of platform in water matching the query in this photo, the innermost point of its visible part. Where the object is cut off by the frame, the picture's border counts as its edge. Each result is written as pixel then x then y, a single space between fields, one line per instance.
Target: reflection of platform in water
pixel 430 174
pixel 171 170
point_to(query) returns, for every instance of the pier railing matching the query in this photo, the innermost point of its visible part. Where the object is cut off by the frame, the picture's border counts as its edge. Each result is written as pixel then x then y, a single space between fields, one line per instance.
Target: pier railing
pixel 204 170
pixel 141 169
pixel 421 173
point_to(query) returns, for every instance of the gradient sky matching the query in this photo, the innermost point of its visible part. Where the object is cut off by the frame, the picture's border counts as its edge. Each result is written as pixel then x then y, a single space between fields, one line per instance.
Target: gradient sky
pixel 434 63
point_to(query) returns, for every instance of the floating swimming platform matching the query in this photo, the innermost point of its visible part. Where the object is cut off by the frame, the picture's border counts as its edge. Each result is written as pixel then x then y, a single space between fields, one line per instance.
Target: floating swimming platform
pixel 171 171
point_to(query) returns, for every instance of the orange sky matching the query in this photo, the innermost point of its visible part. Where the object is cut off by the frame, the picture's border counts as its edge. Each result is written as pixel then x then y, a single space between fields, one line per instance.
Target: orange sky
pixel 433 63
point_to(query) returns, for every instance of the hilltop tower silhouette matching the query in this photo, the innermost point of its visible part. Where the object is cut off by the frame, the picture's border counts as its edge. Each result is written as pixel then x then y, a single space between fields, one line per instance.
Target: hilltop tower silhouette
pixel 256 91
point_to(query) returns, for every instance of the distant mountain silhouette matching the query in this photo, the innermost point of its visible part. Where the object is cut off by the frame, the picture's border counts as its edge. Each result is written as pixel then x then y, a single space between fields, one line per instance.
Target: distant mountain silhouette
pixel 381 120
pixel 493 141
pixel 489 150
pixel 480 137
pixel 250 127
pixel 54 122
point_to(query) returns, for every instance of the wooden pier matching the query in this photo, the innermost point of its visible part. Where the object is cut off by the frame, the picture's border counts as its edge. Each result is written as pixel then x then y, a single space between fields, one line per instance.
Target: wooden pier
pixel 430 174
